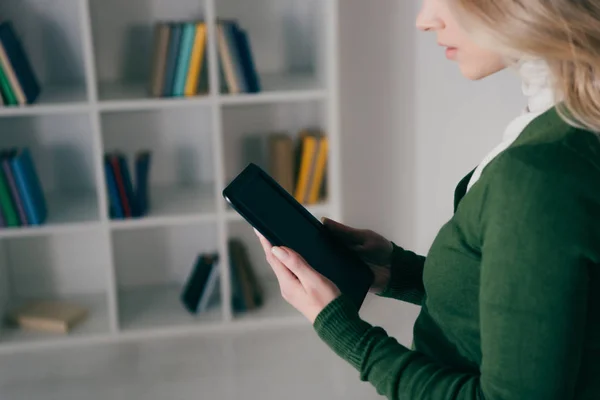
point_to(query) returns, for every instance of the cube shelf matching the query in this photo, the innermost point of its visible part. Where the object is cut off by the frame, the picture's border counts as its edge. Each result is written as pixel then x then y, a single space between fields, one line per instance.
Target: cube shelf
pixel 93 60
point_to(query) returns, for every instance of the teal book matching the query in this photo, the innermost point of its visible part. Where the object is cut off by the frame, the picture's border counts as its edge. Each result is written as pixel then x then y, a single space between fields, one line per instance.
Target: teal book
pixel 29 187
pixel 183 59
pixel 172 56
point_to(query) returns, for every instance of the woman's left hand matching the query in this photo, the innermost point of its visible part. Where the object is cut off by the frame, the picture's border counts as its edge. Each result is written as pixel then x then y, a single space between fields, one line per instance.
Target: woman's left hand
pixel 304 288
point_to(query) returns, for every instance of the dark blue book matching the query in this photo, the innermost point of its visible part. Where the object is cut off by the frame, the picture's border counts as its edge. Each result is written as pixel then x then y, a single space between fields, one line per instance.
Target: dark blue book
pixel 172 57
pixel 247 60
pixel 236 59
pixel 127 183
pixel 142 172
pixel 19 62
pixel 29 187
pixel 196 282
pixel 116 209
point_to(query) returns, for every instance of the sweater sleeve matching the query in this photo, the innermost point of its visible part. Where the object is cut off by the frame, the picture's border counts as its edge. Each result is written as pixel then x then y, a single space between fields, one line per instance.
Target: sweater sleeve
pixel 406 276
pixel 533 295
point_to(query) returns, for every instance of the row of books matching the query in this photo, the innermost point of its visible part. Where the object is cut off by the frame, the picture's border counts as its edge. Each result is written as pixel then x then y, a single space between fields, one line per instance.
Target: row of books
pixel 126 198
pixel 298 165
pixel 22 200
pixel 179 60
pixel 202 284
pixel 18 82
pixel 237 67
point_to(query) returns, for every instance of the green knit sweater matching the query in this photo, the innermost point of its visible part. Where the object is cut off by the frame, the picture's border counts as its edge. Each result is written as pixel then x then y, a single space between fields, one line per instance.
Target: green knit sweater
pixel 510 289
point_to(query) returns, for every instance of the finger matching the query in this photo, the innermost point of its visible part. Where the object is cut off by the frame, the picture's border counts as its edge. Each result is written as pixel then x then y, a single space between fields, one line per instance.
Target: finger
pixel 265 244
pixel 285 277
pixel 343 232
pixel 296 264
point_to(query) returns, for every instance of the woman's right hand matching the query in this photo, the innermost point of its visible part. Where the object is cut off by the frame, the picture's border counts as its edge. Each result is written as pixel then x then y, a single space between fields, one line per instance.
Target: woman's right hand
pixel 372 248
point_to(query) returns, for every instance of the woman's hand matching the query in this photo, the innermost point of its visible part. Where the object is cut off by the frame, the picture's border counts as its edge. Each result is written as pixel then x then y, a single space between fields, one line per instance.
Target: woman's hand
pixel 373 248
pixel 304 288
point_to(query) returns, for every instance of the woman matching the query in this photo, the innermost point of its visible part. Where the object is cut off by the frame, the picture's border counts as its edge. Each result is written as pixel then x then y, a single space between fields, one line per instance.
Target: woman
pixel 510 289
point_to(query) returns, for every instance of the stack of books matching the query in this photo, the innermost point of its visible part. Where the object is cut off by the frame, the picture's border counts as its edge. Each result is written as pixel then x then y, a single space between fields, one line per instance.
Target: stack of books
pixel 299 166
pixel 125 200
pixel 179 62
pixel 22 200
pixel 18 83
pixel 237 67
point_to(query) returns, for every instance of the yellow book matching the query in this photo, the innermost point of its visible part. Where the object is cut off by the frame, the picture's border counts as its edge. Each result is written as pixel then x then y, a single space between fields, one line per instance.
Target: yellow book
pixel 50 316
pixel 307 155
pixel 319 171
pixel 196 60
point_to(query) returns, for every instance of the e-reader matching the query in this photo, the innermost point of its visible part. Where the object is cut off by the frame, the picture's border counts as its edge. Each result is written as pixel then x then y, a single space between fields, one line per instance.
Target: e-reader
pixel 283 221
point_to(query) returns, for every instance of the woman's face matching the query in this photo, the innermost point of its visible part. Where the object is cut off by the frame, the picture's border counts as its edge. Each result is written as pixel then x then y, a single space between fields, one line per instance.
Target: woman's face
pixel 473 61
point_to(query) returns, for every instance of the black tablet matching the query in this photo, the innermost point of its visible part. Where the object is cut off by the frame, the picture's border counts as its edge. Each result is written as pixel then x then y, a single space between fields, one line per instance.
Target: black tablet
pixel 269 208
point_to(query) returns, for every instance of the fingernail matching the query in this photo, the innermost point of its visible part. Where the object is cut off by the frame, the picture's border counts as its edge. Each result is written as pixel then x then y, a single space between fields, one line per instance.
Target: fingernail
pixel 279 253
pixel 322 220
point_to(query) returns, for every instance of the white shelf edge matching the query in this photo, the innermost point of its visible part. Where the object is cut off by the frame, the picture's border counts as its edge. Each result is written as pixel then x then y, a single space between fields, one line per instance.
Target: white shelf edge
pixel 153 104
pixel 273 97
pixel 152 222
pixel 234 326
pixel 45 230
pixel 43 109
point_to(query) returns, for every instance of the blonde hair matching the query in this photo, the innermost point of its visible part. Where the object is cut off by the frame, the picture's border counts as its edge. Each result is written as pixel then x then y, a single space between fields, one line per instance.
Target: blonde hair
pixel 564 33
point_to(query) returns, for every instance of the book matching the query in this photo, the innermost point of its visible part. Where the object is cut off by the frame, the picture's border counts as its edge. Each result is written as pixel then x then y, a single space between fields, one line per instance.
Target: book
pixel 162 30
pixel 196 67
pixel 226 60
pixel 19 62
pixel 114 201
pixel 281 160
pixel 119 179
pixel 9 211
pixel 49 316
pixel 12 185
pixel 29 187
pixel 196 282
pixel 248 66
pixel 172 55
pixel 142 172
pixel 230 29
pixel 316 181
pixel 306 156
pixel 7 92
pixel 211 289
pixel 188 32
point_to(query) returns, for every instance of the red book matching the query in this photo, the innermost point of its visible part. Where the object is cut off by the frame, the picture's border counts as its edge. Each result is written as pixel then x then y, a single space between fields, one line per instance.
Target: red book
pixel 114 162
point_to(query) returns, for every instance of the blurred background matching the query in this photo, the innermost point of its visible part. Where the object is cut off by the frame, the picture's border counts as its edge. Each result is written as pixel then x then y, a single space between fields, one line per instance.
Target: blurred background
pixel 123 272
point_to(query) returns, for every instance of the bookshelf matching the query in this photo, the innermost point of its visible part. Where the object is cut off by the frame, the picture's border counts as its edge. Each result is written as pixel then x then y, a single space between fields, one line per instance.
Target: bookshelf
pixel 93 60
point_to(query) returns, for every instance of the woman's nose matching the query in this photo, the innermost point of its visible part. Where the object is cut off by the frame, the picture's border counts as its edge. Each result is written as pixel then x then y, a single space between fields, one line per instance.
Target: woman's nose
pixel 428 20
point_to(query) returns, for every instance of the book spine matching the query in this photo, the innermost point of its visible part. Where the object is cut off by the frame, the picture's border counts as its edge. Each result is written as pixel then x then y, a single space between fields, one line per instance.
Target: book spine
pixel 307 155
pixel 236 59
pixel 27 191
pixel 319 172
pixel 172 55
pixel 7 92
pixel 113 192
pixel 6 203
pixel 125 204
pixel 196 61
pixel 210 288
pixel 226 60
pixel 142 172
pixel 183 59
pixel 248 64
pixel 124 167
pixel 14 192
pixel 161 47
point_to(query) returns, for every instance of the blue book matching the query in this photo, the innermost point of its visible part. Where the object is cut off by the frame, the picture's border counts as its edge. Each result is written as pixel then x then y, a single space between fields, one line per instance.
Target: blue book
pixel 247 60
pixel 116 210
pixel 124 168
pixel 19 62
pixel 29 187
pixel 196 282
pixel 172 56
pixel 236 59
pixel 12 186
pixel 142 172
pixel 183 59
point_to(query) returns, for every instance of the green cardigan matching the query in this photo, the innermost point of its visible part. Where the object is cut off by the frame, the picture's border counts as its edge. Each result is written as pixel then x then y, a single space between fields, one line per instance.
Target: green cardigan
pixel 510 289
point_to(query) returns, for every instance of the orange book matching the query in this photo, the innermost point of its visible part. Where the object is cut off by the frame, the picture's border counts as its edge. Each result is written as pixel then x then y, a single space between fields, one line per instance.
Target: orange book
pixel 196 61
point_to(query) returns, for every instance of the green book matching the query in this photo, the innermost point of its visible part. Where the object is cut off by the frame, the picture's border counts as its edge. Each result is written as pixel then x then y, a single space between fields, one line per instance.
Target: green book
pixel 9 95
pixel 6 202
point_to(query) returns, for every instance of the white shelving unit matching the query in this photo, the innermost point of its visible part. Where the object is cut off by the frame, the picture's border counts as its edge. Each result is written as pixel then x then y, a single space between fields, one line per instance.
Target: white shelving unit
pixel 93 59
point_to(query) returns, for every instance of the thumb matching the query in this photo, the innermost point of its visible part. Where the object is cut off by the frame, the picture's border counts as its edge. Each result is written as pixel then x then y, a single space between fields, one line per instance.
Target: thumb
pixel 348 235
